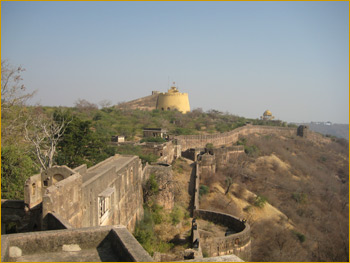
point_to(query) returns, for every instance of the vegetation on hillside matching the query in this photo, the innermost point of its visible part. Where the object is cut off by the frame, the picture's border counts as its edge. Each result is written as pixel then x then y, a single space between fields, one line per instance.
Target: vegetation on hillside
pixel 308 182
pixel 36 137
pixel 160 229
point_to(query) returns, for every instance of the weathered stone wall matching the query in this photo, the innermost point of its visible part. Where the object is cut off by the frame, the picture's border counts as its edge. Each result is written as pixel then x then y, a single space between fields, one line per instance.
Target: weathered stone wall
pixel 105 194
pixel 82 169
pixel 33 191
pixel 122 243
pixel 223 155
pixel 36 185
pixel 164 177
pixel 239 243
pixel 166 152
pixel 65 199
pixel 125 183
pixel 227 138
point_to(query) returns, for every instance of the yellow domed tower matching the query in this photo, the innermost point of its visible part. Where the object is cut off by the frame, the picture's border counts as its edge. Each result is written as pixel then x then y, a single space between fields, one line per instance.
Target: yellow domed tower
pixel 173 99
pixel 267 115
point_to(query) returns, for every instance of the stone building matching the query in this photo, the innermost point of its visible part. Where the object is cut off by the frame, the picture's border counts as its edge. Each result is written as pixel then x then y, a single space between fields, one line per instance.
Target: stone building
pixel 155 133
pixel 173 99
pixel 109 193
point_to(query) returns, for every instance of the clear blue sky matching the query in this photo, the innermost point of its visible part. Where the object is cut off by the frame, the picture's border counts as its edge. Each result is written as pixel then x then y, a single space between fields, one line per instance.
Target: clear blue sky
pixel 242 57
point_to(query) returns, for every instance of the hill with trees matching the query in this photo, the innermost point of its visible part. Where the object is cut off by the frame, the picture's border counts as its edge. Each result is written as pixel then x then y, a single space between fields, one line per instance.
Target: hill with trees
pixel 293 191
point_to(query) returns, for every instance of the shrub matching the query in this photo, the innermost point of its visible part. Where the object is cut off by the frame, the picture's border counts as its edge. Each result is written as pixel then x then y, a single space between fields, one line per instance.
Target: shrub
pixel 209 146
pixel 260 201
pixel 242 141
pixel 176 215
pixel 144 233
pixel 153 139
pixel 300 198
pixel 203 190
pixel 251 150
pixel 152 185
pixel 157 215
pixel 301 237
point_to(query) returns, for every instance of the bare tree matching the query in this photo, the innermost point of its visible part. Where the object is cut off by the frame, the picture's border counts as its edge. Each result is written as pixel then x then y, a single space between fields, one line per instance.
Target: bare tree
pixel 84 105
pixel 105 103
pixel 234 169
pixel 13 99
pixel 44 134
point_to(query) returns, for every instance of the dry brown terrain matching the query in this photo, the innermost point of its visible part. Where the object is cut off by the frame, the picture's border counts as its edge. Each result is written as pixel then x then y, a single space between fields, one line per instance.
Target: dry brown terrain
pixel 144 103
pixel 305 183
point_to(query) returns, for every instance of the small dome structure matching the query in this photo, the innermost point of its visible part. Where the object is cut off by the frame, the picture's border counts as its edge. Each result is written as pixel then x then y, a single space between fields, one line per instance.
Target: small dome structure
pixel 267 116
pixel 267 113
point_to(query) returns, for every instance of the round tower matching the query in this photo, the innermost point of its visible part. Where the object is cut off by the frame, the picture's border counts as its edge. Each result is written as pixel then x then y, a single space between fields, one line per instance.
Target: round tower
pixel 173 99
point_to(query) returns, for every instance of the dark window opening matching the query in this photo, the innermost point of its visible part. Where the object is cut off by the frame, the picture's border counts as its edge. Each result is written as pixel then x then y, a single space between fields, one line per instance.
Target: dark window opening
pixel 46 182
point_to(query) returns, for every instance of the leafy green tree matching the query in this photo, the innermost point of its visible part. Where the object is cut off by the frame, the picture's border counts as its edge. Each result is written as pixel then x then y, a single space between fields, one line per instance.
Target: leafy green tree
pixel 16 167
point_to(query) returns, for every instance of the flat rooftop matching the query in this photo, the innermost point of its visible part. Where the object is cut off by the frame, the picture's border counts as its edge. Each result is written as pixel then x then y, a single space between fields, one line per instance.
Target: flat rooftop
pixel 92 244
pixel 115 161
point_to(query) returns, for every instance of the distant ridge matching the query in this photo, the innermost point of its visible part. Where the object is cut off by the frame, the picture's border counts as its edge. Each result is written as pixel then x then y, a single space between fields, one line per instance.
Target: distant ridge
pixel 338 130
pixel 145 103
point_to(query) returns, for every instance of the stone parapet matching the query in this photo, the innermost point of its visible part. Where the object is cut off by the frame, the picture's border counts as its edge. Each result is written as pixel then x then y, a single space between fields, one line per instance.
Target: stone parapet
pixel 227 138
pixel 116 242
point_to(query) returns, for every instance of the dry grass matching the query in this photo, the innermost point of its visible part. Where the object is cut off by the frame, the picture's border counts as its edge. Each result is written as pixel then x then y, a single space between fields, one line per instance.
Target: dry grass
pixel 288 168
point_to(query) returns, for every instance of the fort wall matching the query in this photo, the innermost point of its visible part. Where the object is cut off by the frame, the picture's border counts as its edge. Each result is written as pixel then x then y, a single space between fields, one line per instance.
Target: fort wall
pixel 113 194
pixel 64 198
pixel 164 177
pixel 122 245
pixel 172 101
pixel 166 152
pixel 227 138
pixel 238 243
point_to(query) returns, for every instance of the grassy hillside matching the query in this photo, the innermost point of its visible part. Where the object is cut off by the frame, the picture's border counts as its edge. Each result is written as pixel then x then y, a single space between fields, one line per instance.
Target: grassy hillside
pixel 295 194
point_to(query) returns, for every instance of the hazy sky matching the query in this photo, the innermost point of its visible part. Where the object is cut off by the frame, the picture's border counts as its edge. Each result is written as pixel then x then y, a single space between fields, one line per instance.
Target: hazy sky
pixel 242 57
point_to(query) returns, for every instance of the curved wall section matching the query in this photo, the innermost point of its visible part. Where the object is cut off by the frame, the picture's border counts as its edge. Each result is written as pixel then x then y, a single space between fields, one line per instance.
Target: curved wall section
pixel 238 244
pixel 172 101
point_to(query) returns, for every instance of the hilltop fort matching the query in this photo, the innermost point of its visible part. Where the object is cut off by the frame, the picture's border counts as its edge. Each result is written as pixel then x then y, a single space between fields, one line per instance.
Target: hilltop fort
pixel 171 100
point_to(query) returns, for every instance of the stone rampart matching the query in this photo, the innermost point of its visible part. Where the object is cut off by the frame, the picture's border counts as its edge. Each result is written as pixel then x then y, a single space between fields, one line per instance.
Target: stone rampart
pixel 121 244
pixel 227 138
pixel 115 188
pixel 238 243
pixel 164 176
pixel 166 152
pixel 64 198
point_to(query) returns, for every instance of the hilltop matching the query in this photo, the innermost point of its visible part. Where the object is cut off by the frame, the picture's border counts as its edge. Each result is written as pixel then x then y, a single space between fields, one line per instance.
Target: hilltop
pixel 145 103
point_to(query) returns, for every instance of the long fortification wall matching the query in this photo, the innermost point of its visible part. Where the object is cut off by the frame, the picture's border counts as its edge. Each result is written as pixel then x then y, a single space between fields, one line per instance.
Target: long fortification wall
pixel 52 245
pixel 227 138
pixel 238 243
